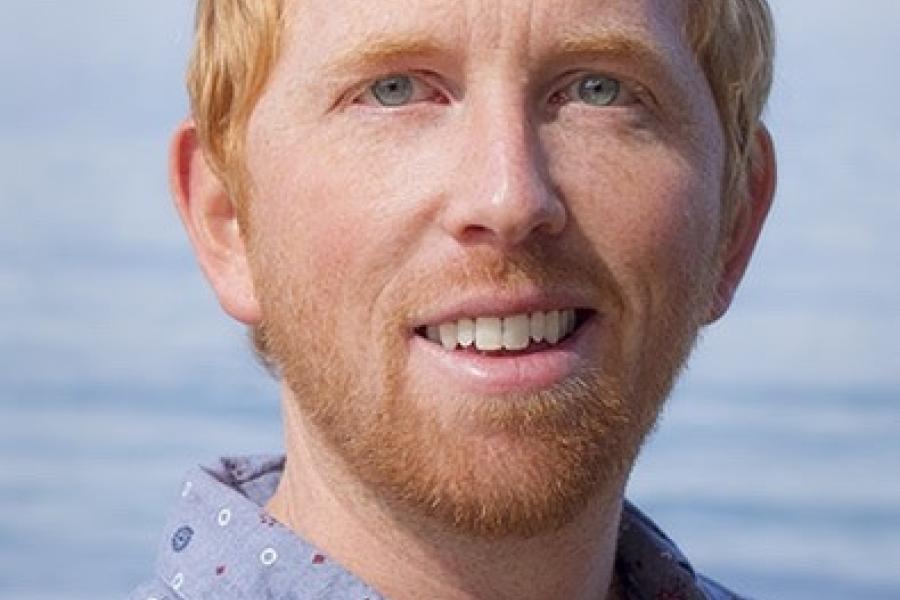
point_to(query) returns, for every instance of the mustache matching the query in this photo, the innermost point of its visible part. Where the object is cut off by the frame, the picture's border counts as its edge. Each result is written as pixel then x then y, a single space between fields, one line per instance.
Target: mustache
pixel 549 270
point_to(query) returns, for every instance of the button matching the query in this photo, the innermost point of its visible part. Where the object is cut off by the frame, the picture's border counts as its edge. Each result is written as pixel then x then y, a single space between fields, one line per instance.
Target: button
pixel 268 556
pixel 177 581
pixel 182 538
pixel 224 517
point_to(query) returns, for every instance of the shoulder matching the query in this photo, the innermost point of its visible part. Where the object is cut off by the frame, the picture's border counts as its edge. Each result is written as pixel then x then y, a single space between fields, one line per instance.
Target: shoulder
pixel 652 566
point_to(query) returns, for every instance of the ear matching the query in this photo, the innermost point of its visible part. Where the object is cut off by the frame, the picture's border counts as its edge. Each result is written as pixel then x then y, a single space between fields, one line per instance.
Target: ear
pixel 210 217
pixel 747 223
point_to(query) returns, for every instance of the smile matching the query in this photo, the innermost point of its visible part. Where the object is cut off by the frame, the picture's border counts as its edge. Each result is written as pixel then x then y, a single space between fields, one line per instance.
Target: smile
pixel 518 352
pixel 514 333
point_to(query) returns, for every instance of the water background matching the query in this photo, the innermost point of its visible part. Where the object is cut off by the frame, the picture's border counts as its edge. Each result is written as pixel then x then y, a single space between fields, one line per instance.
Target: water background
pixel 777 463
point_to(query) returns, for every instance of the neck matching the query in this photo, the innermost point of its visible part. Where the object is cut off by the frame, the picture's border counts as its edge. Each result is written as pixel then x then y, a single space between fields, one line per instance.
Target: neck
pixel 406 557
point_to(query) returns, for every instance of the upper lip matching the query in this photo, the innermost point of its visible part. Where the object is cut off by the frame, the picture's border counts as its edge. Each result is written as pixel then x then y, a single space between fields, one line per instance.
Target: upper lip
pixel 500 304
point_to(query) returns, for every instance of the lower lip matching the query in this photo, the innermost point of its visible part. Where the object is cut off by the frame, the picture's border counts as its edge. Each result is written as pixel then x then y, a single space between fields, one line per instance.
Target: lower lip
pixel 475 372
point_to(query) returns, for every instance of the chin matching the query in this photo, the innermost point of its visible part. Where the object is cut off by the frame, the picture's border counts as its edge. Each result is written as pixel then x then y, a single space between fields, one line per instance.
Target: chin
pixel 488 466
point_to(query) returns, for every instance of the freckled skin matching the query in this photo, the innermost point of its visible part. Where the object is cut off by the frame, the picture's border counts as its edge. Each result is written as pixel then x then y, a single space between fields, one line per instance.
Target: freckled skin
pixel 364 215
pixel 361 217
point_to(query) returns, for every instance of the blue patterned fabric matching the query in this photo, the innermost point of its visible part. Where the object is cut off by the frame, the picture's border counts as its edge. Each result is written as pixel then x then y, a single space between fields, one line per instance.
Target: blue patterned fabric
pixel 220 544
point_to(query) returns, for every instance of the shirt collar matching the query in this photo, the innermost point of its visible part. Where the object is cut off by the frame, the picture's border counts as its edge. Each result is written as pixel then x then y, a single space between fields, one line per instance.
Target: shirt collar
pixel 221 543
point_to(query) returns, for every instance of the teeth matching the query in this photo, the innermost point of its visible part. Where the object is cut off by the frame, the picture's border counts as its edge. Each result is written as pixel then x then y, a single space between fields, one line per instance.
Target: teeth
pixel 537 326
pixel 465 330
pixel 551 327
pixel 568 318
pixel 448 335
pixel 513 333
pixel 516 332
pixel 488 333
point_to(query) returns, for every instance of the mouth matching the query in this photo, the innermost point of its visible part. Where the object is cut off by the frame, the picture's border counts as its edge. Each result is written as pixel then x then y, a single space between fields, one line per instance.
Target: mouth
pixel 495 343
pixel 507 336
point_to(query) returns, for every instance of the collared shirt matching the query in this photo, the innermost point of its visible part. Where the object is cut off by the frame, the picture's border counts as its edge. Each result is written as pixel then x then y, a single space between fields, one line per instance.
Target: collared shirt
pixel 220 544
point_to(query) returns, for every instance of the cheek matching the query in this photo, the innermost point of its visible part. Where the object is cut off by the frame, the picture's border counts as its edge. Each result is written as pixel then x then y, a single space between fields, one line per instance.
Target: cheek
pixel 648 210
pixel 345 216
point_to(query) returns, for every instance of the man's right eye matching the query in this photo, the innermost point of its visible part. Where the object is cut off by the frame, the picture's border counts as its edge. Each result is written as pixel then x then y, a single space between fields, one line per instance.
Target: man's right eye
pixel 396 91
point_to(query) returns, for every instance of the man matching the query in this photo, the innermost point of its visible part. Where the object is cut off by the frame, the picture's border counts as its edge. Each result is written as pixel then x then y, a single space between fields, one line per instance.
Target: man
pixel 476 241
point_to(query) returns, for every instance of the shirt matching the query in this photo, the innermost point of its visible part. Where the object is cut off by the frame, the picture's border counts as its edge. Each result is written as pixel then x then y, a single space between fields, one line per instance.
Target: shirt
pixel 220 544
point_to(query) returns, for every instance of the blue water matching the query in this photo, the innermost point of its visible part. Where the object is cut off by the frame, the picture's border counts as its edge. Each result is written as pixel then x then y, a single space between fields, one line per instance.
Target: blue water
pixel 759 493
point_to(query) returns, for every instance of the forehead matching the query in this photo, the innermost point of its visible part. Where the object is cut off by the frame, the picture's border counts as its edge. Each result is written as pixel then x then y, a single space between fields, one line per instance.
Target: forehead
pixel 318 31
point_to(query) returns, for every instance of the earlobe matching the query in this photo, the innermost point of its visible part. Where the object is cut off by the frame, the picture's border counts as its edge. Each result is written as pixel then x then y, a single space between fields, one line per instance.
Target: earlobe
pixel 210 218
pixel 747 223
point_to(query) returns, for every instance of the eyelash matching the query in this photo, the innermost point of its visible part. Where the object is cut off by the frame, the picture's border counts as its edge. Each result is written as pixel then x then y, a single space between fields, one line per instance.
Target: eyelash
pixel 367 95
pixel 629 93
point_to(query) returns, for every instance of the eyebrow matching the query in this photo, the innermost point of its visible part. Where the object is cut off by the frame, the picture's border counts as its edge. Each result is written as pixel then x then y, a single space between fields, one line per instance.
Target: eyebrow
pixel 618 44
pixel 382 49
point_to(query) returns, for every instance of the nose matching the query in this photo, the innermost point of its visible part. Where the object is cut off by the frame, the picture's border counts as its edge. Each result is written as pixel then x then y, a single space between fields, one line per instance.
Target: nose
pixel 502 193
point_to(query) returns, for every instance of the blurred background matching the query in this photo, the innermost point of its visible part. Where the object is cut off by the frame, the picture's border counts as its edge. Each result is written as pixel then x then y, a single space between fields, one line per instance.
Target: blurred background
pixel 777 463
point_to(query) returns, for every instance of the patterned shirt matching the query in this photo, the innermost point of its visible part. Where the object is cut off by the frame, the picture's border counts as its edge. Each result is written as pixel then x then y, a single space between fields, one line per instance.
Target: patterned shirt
pixel 220 544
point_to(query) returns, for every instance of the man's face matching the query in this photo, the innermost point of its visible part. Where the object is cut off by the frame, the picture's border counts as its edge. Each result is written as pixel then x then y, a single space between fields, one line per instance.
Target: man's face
pixel 421 168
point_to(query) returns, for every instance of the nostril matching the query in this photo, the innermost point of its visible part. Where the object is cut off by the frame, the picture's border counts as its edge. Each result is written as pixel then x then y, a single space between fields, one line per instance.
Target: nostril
pixel 478 234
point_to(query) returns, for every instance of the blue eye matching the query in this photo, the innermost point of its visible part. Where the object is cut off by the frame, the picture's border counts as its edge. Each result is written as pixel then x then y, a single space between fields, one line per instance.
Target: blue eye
pixel 598 90
pixel 396 90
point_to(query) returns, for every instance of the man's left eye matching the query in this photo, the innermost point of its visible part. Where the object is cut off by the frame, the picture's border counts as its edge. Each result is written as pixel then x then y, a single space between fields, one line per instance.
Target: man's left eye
pixel 595 90
pixel 396 91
